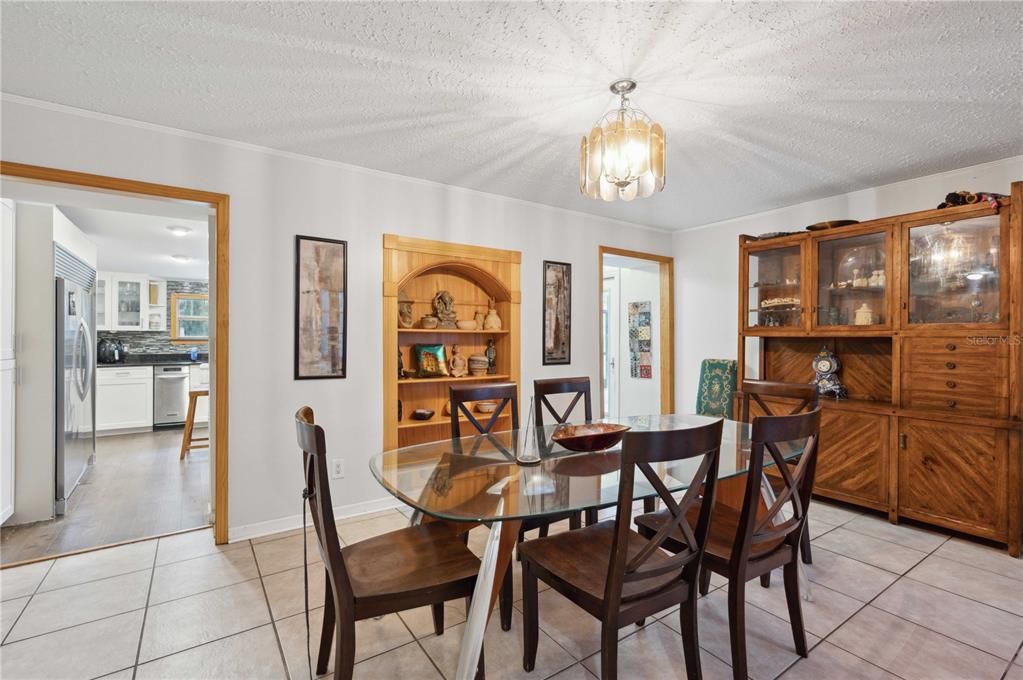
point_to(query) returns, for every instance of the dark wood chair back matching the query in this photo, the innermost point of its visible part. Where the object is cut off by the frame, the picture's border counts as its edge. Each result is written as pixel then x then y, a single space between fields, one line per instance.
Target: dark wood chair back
pixel 580 387
pixel 314 458
pixel 762 533
pixel 505 393
pixel 639 451
pixel 756 390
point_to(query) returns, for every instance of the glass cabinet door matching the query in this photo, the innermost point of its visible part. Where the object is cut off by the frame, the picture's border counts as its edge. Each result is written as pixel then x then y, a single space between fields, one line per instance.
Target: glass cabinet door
pixel 852 281
pixel 774 288
pixel 129 304
pixel 101 304
pixel 955 272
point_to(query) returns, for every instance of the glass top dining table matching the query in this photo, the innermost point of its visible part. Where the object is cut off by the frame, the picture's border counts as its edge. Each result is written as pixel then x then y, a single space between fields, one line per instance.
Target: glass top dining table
pixel 477 479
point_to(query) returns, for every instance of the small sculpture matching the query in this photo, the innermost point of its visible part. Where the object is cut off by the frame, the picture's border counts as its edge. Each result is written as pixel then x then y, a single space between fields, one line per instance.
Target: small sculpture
pixel 401 367
pixel 826 366
pixel 493 321
pixel 479 319
pixel 444 309
pixel 491 353
pixel 405 319
pixel 457 364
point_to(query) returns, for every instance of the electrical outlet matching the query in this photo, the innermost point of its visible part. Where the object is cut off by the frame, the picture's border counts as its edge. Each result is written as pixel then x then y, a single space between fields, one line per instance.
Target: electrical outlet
pixel 337 468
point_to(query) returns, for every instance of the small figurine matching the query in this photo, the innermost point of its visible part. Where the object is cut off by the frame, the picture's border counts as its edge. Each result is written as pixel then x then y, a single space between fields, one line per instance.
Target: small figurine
pixel 401 367
pixel 444 309
pixel 826 367
pixel 493 321
pixel 479 319
pixel 457 364
pixel 405 319
pixel 491 353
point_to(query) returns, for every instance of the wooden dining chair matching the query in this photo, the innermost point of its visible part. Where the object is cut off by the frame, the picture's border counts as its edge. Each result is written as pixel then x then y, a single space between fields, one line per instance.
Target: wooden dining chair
pixel 413 567
pixel 744 544
pixel 579 388
pixel 615 574
pixel 806 397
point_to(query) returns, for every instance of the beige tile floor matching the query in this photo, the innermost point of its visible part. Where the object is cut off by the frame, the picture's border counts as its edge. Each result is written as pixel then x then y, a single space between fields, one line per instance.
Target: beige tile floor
pixel 888 602
pixel 138 488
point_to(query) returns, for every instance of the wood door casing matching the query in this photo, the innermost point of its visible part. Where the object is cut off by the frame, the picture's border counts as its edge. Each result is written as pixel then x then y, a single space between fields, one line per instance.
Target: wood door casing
pixel 954 476
pixel 852 464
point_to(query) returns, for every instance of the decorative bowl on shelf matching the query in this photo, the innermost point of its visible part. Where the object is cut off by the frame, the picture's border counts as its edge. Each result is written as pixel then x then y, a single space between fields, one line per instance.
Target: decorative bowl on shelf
pixel 486 406
pixel 422 414
pixel 466 324
pixel 478 364
pixel 590 436
pixel 429 322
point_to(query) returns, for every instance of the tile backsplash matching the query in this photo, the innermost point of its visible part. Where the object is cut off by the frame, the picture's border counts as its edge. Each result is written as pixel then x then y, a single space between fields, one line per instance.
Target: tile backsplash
pixel 158 342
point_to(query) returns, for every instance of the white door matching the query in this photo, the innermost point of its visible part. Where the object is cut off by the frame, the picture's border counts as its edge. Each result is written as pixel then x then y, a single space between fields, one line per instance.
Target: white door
pixel 7 277
pixel 8 372
pixel 610 316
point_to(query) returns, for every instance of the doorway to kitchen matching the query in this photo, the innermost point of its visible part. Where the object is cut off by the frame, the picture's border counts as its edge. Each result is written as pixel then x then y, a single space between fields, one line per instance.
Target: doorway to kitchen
pixel 144 372
pixel 636 333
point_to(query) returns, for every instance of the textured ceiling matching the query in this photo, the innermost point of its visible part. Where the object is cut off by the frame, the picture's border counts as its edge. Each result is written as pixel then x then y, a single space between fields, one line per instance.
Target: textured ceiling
pixel 765 105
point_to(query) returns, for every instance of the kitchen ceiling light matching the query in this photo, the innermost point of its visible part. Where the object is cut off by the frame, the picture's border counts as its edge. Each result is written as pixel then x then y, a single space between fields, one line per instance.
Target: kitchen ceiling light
pixel 179 230
pixel 181 258
pixel 623 155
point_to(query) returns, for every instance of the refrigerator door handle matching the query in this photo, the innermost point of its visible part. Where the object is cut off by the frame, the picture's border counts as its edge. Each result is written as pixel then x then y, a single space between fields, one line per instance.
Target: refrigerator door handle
pixel 83 359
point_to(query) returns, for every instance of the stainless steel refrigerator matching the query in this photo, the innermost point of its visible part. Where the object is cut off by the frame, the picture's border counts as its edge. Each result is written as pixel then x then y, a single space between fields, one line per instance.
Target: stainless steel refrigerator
pixel 76 373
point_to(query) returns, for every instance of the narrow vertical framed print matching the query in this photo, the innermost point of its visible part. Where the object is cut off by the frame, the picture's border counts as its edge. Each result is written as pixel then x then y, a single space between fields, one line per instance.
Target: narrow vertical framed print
pixel 321 308
pixel 557 313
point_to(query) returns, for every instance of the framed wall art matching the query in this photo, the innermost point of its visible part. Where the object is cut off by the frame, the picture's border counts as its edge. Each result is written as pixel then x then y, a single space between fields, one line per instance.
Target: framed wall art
pixel 640 340
pixel 321 308
pixel 557 313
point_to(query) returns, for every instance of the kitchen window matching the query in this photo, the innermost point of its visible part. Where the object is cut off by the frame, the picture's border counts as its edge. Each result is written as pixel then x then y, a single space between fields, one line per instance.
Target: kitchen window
pixel 190 317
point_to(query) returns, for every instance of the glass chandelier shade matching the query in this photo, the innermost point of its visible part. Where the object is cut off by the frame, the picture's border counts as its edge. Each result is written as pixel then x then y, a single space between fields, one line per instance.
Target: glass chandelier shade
pixel 623 155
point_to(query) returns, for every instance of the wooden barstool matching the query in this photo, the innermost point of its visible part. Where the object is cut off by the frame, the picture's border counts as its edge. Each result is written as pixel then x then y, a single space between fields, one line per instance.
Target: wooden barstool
pixel 187 441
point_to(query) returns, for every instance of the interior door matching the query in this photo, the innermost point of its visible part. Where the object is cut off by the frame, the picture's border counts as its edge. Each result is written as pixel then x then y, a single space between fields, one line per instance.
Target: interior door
pixel 610 314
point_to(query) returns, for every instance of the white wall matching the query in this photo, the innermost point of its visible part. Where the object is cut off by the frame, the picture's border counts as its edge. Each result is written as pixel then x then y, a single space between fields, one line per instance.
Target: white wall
pixel 275 196
pixel 707 257
pixel 66 233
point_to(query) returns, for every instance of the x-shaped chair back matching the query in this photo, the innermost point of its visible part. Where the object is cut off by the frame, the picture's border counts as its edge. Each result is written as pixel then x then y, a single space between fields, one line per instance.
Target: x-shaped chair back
pixel 505 393
pixel 756 390
pixel 579 387
pixel 639 451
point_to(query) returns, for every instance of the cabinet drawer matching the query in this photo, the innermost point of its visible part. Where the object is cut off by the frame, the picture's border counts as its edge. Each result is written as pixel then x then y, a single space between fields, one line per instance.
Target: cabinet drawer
pixel 972 346
pixel 956 384
pixel 976 404
pixel 111 374
pixel 951 363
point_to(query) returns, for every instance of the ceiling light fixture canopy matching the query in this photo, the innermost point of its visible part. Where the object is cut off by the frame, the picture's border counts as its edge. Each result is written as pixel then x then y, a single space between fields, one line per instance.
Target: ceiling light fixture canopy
pixel 179 230
pixel 623 155
pixel 184 259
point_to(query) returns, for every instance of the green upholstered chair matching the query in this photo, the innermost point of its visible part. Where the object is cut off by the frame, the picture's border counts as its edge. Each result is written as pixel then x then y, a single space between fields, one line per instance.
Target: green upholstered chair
pixel 717 388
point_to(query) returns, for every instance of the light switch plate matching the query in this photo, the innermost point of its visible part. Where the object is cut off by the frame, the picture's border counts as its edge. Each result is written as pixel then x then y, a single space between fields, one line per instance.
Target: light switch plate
pixel 337 468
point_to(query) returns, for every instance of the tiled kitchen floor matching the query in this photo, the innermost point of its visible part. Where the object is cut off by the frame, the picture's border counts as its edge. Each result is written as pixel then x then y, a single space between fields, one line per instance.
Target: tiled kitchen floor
pixel 137 488
pixel 889 602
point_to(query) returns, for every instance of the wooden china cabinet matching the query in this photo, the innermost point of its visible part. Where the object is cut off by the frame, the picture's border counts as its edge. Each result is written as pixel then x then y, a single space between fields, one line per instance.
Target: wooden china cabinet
pixel 924 312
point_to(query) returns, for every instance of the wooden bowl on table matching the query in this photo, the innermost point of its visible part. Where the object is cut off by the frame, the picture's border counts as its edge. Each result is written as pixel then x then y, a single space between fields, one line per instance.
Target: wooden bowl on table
pixel 589 436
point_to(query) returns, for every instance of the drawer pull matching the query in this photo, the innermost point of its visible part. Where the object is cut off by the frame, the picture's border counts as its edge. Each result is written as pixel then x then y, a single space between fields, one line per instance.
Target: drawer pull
pixel 950 347
pixel 950 384
pixel 950 365
pixel 902 440
pixel 951 403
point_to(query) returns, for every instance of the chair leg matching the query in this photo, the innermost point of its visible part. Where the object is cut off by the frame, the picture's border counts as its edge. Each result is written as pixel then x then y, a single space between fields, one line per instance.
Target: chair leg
pixel 575 521
pixel 545 529
pixel 326 633
pixel 791 576
pixel 737 626
pixel 704 581
pixel 608 651
pixel 530 618
pixel 438 617
pixel 344 661
pixel 649 504
pixel 765 580
pixel 690 635
pixel 591 516
pixel 505 600
pixel 804 546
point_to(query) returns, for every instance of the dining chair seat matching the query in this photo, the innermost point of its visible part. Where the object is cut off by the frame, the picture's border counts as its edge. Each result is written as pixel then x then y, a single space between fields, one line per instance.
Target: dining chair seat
pixel 413 564
pixel 575 564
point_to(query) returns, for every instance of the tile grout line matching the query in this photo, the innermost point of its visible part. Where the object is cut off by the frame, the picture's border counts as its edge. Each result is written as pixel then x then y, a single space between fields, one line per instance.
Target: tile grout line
pixel 1019 651
pixel 145 611
pixel 270 613
pixel 916 580
pixel 23 609
pixel 417 643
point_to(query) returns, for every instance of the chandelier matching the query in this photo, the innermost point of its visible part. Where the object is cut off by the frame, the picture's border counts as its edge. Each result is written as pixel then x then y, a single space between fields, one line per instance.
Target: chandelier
pixel 623 155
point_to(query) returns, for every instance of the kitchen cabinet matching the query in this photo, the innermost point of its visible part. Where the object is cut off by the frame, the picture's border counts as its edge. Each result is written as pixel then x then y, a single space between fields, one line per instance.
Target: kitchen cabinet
pixel 199 379
pixel 124 398
pixel 7 278
pixel 156 319
pixel 102 302
pixel 129 304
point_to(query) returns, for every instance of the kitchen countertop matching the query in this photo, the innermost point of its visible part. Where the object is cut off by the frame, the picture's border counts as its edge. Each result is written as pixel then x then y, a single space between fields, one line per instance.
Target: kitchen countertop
pixel 157 360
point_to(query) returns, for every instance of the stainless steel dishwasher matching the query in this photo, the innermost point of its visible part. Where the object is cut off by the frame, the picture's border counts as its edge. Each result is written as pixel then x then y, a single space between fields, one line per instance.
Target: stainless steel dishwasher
pixel 170 395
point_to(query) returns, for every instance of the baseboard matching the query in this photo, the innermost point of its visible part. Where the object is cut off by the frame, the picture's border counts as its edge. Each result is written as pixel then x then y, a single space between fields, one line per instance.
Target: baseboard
pixel 275 526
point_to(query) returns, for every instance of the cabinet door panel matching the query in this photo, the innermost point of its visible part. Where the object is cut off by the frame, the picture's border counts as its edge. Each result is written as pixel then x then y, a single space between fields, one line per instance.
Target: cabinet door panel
pixel 954 475
pixel 124 404
pixel 7 387
pixel 853 460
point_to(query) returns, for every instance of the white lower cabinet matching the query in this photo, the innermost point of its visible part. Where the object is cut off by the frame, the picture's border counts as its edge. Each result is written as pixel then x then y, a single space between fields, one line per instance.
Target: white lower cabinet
pixel 199 379
pixel 124 397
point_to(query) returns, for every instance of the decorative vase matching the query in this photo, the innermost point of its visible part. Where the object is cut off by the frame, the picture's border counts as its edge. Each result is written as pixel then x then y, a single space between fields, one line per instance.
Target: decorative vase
pixel 493 321
pixel 479 319
pixel 478 364
pixel 864 316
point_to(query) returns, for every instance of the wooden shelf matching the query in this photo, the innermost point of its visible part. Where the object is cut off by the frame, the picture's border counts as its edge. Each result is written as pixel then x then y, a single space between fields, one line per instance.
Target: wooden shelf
pixel 448 379
pixel 456 331
pixel 445 421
